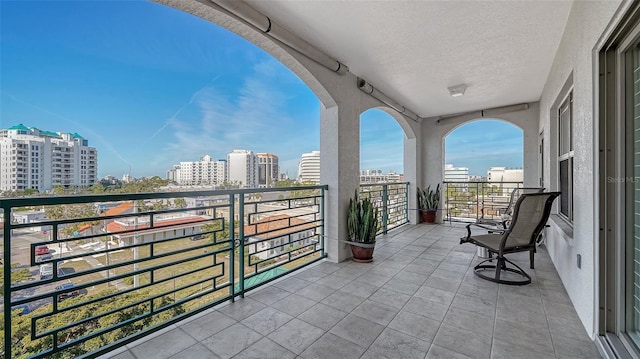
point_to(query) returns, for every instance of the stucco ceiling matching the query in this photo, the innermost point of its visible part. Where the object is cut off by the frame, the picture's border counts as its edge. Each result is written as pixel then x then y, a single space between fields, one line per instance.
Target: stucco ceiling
pixel 414 50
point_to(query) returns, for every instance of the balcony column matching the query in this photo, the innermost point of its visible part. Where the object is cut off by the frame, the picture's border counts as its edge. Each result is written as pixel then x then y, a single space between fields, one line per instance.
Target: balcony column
pixel 340 169
pixel 433 161
pixel 412 169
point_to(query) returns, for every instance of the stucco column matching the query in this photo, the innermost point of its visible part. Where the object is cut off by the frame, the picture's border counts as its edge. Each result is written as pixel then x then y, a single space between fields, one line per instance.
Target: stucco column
pixel 412 168
pixel 339 168
pixel 433 159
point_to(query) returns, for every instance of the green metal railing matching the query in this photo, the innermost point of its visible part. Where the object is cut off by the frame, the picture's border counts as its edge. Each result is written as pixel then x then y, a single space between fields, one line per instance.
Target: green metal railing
pixel 470 201
pixel 143 266
pixel 392 201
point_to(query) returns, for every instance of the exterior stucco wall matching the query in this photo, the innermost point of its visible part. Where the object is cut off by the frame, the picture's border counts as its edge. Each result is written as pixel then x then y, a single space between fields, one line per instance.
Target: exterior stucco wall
pixel 575 59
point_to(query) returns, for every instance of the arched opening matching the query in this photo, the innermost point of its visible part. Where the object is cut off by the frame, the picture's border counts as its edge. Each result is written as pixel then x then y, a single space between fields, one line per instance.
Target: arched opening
pixel 153 86
pixel 483 164
pixel 382 142
pixel 381 147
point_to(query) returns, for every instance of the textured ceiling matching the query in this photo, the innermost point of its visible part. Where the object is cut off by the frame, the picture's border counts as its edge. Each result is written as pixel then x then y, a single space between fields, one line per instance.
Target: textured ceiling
pixel 414 50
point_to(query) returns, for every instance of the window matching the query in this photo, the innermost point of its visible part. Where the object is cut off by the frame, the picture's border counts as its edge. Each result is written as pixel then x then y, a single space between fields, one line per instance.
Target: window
pixel 565 156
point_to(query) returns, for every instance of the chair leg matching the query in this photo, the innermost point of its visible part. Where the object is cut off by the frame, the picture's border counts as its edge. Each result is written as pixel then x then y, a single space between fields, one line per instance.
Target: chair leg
pixel 531 254
pixel 496 271
pixel 500 265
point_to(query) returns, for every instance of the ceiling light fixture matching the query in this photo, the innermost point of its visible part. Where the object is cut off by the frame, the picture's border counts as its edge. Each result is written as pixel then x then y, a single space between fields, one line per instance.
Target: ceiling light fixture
pixel 457 90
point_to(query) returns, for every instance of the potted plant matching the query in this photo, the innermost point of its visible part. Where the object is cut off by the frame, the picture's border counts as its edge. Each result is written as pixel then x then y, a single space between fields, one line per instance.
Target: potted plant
pixel 362 223
pixel 428 202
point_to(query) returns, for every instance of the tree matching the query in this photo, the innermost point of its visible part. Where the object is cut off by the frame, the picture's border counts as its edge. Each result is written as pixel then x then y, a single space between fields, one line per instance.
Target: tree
pixel 22 345
pixel 17 275
pixel 96 188
pixel 30 191
pixel 180 203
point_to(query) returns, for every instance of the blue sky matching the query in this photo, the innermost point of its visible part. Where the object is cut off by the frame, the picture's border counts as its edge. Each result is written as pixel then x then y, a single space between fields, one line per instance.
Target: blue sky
pixel 150 86
pixel 481 144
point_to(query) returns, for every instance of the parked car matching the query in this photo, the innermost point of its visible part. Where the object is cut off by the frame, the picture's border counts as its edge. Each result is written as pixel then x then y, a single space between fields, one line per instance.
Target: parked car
pixel 197 237
pixel 69 294
pixel 42 250
pixel 44 257
pixel 46 271
pixel 23 308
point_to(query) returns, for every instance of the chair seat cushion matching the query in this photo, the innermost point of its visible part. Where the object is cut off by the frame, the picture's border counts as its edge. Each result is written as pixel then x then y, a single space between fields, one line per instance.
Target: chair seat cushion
pixel 491 241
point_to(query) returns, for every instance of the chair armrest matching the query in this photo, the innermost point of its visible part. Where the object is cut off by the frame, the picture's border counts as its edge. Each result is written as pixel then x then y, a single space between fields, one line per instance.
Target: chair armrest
pixel 468 226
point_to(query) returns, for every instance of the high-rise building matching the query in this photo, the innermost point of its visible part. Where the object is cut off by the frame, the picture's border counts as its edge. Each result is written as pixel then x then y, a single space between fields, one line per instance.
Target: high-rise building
pixel 173 174
pixel 503 174
pixel 268 169
pixel 203 172
pixel 242 168
pixel 377 176
pixel 456 174
pixel 34 159
pixel 309 167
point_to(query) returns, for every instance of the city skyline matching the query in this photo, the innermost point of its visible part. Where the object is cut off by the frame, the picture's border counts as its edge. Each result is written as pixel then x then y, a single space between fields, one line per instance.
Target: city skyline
pixel 149 85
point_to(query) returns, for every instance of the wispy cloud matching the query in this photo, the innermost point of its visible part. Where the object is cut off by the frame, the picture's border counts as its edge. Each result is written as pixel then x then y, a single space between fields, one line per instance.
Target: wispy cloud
pixel 258 115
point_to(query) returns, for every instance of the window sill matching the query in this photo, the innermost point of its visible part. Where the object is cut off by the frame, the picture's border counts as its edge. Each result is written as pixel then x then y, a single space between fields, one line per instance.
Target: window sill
pixel 565 227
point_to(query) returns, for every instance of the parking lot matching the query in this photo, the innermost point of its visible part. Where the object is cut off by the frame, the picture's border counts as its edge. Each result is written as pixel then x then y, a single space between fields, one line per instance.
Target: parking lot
pixel 21 244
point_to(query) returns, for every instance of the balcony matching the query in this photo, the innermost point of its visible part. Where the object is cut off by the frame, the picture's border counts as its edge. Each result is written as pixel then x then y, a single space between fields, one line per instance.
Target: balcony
pixel 168 271
pixel 419 298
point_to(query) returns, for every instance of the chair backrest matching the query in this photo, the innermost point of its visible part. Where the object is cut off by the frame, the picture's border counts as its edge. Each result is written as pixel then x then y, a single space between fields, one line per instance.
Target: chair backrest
pixel 530 214
pixel 515 195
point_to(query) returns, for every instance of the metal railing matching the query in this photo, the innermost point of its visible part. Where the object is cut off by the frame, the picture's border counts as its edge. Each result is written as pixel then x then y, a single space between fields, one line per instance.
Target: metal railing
pixel 470 201
pixel 392 201
pixel 115 272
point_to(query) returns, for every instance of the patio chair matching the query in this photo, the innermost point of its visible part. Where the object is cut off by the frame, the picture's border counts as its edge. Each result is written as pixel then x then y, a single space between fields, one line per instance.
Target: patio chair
pixel 530 215
pixel 505 216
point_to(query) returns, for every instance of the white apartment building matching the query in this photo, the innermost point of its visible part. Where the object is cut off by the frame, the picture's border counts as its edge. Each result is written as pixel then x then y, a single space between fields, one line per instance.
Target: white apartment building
pixel 242 168
pixel 377 176
pixel 456 174
pixel 173 174
pixel 34 159
pixel 309 167
pixel 503 174
pixel 204 172
pixel 268 169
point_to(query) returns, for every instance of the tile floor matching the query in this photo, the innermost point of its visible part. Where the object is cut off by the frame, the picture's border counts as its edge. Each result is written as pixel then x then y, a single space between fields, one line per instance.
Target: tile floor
pixel 418 299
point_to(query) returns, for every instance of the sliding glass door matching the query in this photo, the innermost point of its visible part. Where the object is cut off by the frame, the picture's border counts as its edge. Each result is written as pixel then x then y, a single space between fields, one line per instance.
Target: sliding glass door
pixel 631 187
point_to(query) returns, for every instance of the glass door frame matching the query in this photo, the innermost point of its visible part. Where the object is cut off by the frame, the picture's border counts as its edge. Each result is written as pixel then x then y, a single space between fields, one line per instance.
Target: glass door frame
pixel 615 213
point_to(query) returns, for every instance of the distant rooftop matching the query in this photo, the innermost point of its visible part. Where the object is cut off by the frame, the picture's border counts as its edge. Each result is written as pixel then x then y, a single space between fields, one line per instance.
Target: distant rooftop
pixel 22 127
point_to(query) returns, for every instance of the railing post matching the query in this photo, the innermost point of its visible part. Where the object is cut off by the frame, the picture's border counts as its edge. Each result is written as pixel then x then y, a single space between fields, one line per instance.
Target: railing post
pixel 385 209
pixel 478 206
pixel 232 231
pixel 241 243
pixel 321 210
pixel 6 262
pixel 406 202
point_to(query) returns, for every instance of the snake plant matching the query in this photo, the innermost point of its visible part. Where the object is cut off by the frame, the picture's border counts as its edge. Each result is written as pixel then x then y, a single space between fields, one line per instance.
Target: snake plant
pixel 362 220
pixel 429 199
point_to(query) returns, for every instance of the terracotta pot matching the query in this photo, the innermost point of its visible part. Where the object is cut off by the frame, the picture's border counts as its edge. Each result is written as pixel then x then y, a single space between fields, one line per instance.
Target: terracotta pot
pixel 428 216
pixel 362 254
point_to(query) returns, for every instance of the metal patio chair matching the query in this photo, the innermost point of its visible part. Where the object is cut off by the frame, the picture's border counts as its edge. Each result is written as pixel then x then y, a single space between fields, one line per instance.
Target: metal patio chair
pixel 530 216
pixel 506 212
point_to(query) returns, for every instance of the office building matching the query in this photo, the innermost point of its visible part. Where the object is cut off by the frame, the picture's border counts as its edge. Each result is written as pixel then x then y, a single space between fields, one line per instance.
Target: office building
pixel 242 168
pixel 503 174
pixel 377 176
pixel 268 169
pixel 309 167
pixel 34 159
pixel 455 174
pixel 206 171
